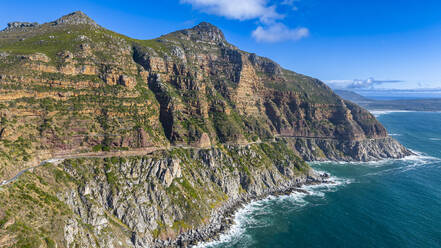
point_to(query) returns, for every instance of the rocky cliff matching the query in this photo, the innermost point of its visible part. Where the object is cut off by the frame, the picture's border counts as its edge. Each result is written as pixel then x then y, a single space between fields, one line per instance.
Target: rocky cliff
pixel 168 198
pixel 73 88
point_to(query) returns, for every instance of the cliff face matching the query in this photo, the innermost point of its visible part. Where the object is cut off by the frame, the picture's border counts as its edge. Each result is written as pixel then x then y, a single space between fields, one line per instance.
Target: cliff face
pixel 72 88
pixel 166 198
pixel 211 78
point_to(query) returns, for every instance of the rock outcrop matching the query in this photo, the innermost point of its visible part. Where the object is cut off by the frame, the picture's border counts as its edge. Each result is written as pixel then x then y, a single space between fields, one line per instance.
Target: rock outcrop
pixel 75 18
pixel 203 32
pixel 166 199
pixel 349 151
pixel 19 25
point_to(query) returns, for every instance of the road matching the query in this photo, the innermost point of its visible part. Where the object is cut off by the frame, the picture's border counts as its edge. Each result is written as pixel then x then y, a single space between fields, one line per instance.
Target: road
pixel 61 157
pixel 52 160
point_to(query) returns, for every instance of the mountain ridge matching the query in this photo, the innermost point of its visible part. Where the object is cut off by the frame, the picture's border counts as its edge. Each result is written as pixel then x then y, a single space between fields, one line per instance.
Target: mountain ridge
pixel 198 89
pixel 212 127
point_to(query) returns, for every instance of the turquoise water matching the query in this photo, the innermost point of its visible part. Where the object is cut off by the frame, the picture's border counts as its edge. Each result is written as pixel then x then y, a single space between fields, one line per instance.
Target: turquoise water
pixel 394 203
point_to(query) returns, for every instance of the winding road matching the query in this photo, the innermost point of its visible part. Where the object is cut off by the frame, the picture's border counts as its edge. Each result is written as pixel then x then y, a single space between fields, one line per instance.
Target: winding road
pixel 52 160
pixel 61 157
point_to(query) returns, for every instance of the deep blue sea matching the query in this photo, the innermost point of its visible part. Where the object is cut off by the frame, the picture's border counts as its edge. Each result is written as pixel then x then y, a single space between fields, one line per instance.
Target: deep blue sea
pixel 394 203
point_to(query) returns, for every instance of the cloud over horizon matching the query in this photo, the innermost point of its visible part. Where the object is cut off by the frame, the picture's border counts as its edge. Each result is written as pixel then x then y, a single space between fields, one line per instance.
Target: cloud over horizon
pixel 269 29
pixel 369 83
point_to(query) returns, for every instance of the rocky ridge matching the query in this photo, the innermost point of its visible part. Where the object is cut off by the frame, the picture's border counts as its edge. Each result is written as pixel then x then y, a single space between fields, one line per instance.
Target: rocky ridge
pixel 166 199
pixel 70 86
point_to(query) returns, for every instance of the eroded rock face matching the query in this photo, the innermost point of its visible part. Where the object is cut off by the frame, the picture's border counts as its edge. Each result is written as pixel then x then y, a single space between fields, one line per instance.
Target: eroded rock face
pixel 176 198
pixel 270 100
pixel 99 90
pixel 127 81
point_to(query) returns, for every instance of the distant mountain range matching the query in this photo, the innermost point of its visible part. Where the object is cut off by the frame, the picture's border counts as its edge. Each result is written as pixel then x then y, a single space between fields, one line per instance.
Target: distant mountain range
pixel 430 104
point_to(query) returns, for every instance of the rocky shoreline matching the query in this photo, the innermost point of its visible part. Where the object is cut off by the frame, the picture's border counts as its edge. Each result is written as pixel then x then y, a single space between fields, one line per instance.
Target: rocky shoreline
pixel 222 219
pixel 348 151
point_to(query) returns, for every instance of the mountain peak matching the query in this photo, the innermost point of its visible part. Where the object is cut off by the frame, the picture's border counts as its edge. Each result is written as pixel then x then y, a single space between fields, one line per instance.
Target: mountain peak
pixel 77 17
pixel 208 31
pixel 205 26
pixel 204 31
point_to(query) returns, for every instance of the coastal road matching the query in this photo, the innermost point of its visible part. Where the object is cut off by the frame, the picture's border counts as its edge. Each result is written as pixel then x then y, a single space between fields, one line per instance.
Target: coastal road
pixel 60 158
pixel 52 160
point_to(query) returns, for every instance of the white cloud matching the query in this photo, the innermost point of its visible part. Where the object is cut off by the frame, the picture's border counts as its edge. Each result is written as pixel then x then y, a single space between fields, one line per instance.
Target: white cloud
pixel 369 83
pixel 290 3
pixel 238 9
pixel 270 28
pixel 279 32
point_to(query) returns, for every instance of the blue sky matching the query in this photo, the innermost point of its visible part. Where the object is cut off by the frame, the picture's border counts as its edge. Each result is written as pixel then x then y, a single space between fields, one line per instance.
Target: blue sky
pixel 346 43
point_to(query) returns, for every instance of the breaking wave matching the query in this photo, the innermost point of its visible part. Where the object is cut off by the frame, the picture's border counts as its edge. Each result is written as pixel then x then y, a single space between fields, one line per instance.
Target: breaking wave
pixel 391 165
pixel 377 113
pixel 247 216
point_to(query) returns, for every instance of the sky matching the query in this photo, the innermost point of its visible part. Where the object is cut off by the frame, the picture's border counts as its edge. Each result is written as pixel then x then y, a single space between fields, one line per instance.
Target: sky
pixel 353 44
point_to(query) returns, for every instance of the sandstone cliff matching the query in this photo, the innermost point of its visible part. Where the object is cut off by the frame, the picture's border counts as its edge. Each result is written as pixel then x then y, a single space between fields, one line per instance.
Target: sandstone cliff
pixel 71 87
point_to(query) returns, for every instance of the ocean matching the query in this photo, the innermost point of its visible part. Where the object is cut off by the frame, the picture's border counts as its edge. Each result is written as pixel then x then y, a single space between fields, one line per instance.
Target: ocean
pixel 391 203
pixel 400 94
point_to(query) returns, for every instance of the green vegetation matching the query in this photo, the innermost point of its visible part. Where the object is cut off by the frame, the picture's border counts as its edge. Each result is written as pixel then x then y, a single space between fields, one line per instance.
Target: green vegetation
pixel 226 128
pixel 32 208
pixel 37 195
pixel 78 88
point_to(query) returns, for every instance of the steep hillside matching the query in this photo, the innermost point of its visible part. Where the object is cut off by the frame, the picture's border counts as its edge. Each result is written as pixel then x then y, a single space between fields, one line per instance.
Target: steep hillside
pixel 194 125
pixel 166 198
pixel 71 86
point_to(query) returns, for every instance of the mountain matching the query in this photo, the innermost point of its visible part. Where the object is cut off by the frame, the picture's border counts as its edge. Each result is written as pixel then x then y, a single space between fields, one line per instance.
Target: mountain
pixel 352 96
pixel 430 104
pixel 153 143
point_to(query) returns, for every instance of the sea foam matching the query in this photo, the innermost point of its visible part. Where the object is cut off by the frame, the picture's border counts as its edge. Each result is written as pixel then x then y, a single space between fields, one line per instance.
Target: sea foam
pixel 417 157
pixel 377 113
pixel 394 134
pixel 407 163
pixel 244 217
